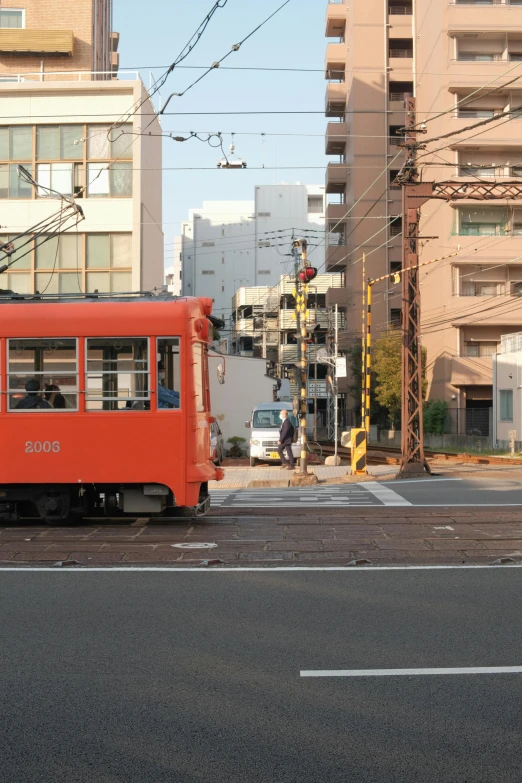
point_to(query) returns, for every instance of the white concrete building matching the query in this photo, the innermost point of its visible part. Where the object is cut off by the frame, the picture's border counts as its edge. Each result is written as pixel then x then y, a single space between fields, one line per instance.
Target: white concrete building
pixel 229 244
pixel 59 131
pixel 507 391
pixel 173 275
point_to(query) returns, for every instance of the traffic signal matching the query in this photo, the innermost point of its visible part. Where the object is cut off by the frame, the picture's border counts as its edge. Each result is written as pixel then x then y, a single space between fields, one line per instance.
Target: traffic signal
pixel 307 274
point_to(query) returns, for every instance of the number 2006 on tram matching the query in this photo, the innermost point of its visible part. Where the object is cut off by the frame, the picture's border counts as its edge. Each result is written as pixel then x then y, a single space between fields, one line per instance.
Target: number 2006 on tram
pixel 104 406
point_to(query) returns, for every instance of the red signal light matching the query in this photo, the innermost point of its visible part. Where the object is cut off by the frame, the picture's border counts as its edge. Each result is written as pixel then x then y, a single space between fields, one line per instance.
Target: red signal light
pixel 307 274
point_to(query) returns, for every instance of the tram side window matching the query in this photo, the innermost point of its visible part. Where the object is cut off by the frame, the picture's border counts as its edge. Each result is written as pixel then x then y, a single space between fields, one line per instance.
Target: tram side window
pixel 117 374
pixel 168 381
pixel 42 374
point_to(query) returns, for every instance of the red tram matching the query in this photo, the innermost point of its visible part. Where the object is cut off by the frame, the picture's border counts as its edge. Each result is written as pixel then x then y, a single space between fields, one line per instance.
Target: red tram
pixel 104 406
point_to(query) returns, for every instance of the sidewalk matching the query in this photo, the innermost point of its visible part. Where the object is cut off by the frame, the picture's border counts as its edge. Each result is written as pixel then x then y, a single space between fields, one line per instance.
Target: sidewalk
pixel 240 478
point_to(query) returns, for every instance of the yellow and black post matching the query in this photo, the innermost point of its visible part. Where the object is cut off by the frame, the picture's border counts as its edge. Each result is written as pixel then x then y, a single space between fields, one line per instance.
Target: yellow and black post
pixel 358 444
pixel 363 351
pixel 368 359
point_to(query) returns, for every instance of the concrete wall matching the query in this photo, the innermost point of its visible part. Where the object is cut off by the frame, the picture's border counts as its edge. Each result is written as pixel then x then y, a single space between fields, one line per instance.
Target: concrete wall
pixel 246 386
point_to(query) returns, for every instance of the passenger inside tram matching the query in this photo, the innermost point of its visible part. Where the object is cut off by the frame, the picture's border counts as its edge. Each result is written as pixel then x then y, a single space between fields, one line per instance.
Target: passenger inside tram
pixel 32 399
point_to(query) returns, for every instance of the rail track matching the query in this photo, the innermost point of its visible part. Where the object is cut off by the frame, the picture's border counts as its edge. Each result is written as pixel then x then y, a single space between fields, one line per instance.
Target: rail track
pixel 385 455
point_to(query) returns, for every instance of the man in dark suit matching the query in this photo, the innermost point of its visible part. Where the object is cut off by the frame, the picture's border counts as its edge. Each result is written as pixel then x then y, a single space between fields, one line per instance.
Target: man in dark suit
pixel 286 437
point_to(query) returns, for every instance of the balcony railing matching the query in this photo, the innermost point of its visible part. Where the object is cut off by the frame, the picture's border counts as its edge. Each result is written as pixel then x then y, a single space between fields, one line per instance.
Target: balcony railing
pixel 403 10
pixel 400 97
pixel 404 53
pixel 80 76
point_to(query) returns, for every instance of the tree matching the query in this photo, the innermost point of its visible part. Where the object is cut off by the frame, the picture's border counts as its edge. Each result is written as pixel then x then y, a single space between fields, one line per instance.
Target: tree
pixel 387 365
pixel 435 415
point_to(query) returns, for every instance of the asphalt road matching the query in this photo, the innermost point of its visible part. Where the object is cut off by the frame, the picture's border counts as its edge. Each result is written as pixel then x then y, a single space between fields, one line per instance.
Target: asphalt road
pixel 148 677
pixel 432 492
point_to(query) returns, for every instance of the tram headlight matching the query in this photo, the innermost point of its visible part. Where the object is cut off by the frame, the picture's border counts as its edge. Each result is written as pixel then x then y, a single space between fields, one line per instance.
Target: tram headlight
pixel 254 442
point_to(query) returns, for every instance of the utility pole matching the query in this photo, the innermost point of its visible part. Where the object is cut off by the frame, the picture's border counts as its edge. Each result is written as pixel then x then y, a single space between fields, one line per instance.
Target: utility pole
pixel 304 275
pixel 301 308
pixel 413 461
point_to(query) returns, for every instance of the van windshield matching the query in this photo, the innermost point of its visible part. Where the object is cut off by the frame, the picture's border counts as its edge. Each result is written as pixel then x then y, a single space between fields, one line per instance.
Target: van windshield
pixel 269 419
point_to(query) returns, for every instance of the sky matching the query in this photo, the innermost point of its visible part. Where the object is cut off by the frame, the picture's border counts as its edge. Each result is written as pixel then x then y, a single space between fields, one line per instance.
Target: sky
pixel 294 38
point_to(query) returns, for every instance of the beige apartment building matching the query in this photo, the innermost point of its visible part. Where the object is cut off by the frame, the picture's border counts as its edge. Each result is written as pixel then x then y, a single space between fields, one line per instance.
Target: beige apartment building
pixel 440 53
pixel 45 36
pixel 58 106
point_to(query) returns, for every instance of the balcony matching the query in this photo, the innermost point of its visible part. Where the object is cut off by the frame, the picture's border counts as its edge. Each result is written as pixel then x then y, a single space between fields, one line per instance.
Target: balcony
pixel 115 61
pixel 335 60
pixel 335 19
pixel 337 296
pixel 22 41
pixel 336 177
pixel 336 212
pixel 336 138
pixel 466 371
pixel 336 96
pixel 115 40
pixel 336 258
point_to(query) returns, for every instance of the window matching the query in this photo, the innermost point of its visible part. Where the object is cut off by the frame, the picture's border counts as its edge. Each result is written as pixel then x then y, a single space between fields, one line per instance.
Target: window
pixel 476 171
pixel 472 114
pixel 109 255
pixel 16 279
pixel 396 137
pixel 207 272
pixel 481 289
pixel 516 171
pixel 505 404
pixel 55 142
pixel 55 254
pixel 396 226
pixel 12 18
pixel 113 182
pixel 199 377
pixel 11 184
pixel 52 366
pixel 54 177
pixel 117 374
pixel 105 143
pixel 393 176
pixel 315 205
pixel 16 143
pixel 395 317
pixel 482 222
pixel 263 271
pixel 169 379
pixel 480 349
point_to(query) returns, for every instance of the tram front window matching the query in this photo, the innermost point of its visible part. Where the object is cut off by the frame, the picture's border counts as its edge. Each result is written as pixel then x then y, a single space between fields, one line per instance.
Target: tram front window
pixel 42 374
pixel 168 378
pixel 117 374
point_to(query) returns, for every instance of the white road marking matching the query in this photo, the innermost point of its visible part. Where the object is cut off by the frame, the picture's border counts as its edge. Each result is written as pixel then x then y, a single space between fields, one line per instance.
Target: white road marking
pixel 243 569
pixel 411 672
pixel 421 481
pixel 386 495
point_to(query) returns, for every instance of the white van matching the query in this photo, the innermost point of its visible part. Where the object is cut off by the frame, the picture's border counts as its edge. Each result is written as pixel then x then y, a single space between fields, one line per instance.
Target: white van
pixel 264 427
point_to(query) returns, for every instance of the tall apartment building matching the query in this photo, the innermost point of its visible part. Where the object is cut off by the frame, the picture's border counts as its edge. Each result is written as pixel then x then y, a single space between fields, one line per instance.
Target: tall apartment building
pixel 229 244
pixel 58 126
pixel 440 53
